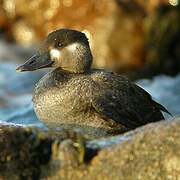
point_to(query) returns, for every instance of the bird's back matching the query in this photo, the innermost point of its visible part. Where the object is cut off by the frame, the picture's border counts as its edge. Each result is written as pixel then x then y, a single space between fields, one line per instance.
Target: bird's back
pixel 117 98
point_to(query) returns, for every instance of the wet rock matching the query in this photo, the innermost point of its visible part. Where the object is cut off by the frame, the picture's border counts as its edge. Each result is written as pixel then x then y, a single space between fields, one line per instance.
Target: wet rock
pixel 150 152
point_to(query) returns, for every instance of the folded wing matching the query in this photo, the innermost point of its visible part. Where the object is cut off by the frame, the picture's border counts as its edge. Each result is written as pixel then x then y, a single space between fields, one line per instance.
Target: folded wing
pixel 116 98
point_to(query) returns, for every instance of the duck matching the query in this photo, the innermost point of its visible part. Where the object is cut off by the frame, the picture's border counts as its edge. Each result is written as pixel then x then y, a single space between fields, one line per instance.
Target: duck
pixel 75 95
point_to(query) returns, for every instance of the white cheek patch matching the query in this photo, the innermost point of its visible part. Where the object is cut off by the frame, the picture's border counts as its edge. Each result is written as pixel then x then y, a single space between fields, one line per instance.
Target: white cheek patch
pixel 72 47
pixel 55 54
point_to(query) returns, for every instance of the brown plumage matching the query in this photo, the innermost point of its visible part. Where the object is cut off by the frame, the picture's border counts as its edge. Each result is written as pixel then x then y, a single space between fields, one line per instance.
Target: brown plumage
pixel 74 95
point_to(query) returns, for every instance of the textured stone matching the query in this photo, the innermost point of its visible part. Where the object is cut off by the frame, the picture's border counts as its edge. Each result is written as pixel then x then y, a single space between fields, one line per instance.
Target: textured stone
pixel 28 153
pixel 151 152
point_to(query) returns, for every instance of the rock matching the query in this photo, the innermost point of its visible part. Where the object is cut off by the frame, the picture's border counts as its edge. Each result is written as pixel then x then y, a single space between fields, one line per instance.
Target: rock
pixel 163 43
pixel 28 153
pixel 150 152
pixel 22 153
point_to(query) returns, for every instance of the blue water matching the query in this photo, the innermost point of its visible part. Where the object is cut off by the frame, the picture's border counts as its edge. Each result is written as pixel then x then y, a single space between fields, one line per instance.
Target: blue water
pixel 165 90
pixel 16 94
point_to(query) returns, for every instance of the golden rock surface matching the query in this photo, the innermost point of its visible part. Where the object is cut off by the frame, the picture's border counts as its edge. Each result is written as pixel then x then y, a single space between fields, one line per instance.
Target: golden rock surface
pixel 116 34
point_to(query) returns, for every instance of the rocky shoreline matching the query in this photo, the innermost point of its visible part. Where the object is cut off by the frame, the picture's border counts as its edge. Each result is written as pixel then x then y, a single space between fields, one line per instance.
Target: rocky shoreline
pixel 149 152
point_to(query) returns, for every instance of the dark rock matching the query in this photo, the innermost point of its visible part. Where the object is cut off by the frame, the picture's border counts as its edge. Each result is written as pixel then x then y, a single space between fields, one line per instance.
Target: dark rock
pixel 23 152
pixel 163 42
pixel 28 153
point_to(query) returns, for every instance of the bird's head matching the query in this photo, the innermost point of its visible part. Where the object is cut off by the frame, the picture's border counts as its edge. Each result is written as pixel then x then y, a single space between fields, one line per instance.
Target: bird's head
pixel 66 49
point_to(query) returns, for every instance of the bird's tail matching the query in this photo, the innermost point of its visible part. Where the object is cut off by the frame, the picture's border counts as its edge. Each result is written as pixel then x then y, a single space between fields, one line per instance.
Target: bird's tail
pixel 162 108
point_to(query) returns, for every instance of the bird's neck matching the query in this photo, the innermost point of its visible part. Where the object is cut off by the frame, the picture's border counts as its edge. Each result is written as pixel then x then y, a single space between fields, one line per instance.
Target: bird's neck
pixel 78 58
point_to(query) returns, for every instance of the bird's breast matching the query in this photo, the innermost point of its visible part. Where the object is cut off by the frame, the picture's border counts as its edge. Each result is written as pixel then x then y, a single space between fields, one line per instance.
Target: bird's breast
pixel 61 102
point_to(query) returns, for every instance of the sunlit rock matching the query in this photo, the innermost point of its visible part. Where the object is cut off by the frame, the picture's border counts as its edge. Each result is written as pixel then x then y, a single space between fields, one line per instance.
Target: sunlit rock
pixel 150 152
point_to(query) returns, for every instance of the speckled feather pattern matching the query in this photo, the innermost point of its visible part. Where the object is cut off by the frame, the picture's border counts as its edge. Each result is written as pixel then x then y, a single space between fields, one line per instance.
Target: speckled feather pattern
pixel 96 99
pixel 74 95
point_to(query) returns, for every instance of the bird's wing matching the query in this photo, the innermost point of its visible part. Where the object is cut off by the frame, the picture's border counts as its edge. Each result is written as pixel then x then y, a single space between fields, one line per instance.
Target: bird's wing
pixel 115 97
